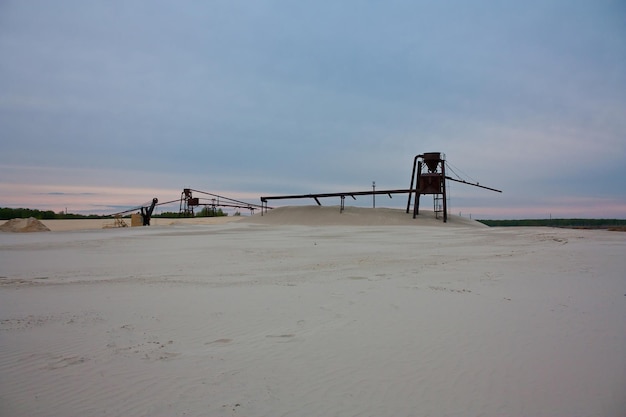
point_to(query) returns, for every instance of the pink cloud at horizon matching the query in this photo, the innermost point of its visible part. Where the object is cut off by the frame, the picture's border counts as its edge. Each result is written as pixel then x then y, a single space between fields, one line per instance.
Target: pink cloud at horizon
pixel 610 210
pixel 109 200
pixel 95 200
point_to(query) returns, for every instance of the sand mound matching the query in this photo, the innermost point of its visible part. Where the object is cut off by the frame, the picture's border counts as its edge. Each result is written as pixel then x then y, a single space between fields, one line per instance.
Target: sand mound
pixel 24 225
pixel 354 216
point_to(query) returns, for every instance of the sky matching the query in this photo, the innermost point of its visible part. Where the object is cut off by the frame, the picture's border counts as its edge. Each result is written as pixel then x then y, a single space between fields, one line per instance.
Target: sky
pixel 105 105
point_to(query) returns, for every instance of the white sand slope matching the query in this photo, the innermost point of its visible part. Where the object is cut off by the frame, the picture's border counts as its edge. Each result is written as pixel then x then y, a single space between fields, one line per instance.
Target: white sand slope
pixel 355 216
pixel 249 319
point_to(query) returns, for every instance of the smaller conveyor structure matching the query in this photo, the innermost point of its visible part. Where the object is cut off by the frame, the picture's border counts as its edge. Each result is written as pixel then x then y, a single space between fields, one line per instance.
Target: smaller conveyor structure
pixel 188 202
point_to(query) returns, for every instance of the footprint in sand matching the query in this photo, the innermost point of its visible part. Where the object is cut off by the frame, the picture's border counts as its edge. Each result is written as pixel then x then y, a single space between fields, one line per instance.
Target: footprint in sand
pixel 282 337
pixel 219 342
pixel 62 362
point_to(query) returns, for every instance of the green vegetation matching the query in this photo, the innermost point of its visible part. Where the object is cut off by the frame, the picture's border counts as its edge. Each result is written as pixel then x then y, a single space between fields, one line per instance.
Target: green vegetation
pixel 7 213
pixel 570 223
pixel 205 212
pixel 167 214
pixel 211 212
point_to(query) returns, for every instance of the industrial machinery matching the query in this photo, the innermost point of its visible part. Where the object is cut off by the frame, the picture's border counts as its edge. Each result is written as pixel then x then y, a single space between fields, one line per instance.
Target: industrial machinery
pixel 188 202
pixel 428 177
pixel 145 211
pixel 142 215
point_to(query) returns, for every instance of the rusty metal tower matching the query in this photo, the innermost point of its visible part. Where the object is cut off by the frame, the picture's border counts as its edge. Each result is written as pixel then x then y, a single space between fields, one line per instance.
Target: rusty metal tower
pixel 429 177
pixel 187 203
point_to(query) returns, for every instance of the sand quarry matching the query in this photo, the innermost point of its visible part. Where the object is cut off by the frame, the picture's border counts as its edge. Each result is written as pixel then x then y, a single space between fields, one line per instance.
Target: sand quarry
pixel 309 312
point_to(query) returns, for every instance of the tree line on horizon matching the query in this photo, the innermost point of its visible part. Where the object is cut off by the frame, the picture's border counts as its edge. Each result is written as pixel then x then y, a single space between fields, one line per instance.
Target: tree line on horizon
pixel 7 213
pixel 580 223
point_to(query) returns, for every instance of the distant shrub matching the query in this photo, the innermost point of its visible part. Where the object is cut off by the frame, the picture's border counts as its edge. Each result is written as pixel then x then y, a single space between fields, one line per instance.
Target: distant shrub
pixel 570 223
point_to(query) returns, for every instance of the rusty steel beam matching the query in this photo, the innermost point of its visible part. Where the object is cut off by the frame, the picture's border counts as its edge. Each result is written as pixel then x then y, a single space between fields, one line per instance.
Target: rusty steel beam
pixel 316 197
pixel 344 194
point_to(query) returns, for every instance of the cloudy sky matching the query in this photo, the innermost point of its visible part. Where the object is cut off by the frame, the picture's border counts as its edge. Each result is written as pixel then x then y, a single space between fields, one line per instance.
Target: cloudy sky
pixel 107 104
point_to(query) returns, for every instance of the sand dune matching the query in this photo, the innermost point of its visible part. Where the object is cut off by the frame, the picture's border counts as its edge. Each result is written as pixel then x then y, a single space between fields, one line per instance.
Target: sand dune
pixel 354 216
pixel 318 318
pixel 23 226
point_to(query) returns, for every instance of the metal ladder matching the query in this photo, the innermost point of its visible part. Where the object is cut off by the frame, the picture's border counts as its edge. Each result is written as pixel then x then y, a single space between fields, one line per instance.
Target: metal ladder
pixel 437 204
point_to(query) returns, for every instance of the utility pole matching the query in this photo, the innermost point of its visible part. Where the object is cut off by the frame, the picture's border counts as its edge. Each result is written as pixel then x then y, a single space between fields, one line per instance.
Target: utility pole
pixel 374 195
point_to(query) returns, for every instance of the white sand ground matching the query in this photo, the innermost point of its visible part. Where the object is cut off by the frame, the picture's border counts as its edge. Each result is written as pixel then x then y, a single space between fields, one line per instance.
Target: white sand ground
pixel 94 224
pixel 258 318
